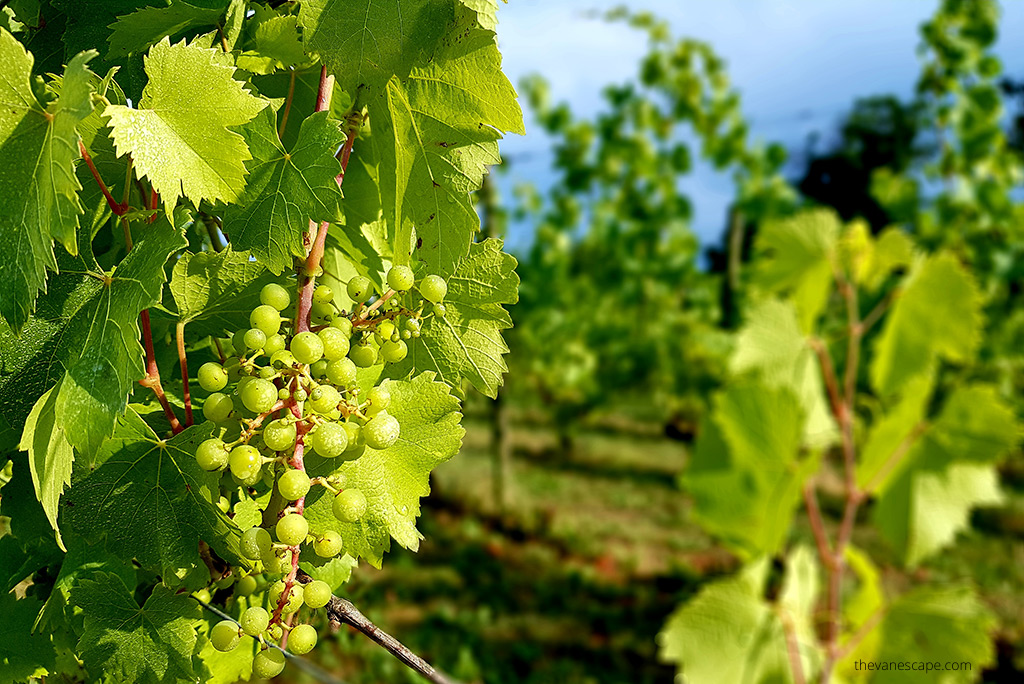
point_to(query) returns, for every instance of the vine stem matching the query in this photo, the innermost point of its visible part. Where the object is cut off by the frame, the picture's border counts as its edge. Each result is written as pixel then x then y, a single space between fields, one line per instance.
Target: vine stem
pixel 119 208
pixel 152 379
pixel 179 334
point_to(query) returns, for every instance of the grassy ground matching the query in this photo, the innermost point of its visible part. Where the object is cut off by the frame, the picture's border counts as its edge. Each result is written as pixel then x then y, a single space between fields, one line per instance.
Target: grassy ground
pixel 572 583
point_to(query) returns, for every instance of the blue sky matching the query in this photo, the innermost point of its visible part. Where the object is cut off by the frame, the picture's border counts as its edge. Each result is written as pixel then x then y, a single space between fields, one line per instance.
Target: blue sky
pixel 799 64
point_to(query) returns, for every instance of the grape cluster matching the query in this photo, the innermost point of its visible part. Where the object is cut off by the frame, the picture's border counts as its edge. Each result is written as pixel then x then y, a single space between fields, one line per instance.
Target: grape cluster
pixel 288 390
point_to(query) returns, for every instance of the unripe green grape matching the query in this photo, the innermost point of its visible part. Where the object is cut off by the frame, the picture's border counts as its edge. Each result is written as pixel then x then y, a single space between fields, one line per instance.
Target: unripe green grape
pixel 316 594
pixel 379 398
pixel 259 395
pixel 343 324
pixel 342 372
pixel 323 293
pixel 255 543
pixel 406 335
pixel 335 342
pixel 293 484
pixel 440 309
pixel 268 663
pixel 301 395
pixel 318 369
pixel 275 632
pixel 381 431
pixel 415 333
pixel 401 278
pixel 321 312
pixel 224 635
pixel 266 318
pixel 306 347
pixel 279 435
pixel 212 454
pixel 324 399
pixel 329 545
pixel 276 591
pixel 245 461
pixel 284 393
pixel 358 289
pixel 276 296
pixel 267 372
pixel 302 639
pixel 433 288
pixel 226 581
pixel 276 564
pixel 274 344
pixel 203 595
pixel 238 342
pixel 212 377
pixel 294 601
pixel 292 529
pixel 233 368
pixel 394 351
pixel 412 324
pixel 329 440
pixel 385 329
pixel 349 506
pixel 217 407
pixel 363 355
pixel 255 339
pixel 356 444
pixel 282 359
pixel 246 585
pixel 254 621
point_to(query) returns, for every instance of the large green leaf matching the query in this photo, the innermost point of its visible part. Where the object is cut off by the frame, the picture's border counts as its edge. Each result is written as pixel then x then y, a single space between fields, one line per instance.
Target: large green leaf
pixel 50 455
pixel 393 479
pixel 137 31
pixel 38 187
pixel 286 190
pixel 29 545
pixel 22 653
pixel 216 291
pixel 271 41
pixel 179 137
pixel 893 434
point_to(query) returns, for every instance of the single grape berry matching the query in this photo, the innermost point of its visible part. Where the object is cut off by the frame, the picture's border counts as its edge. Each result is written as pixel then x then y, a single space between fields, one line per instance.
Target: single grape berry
pixel 329 545
pixel 318 369
pixel 259 395
pixel 212 454
pixel 203 595
pixel 245 462
pixel 306 347
pixel 342 372
pixel 324 399
pixel 358 289
pixel 329 440
pixel 224 635
pixel 277 564
pixel 217 407
pixel 276 296
pixel 255 543
pixel 294 601
pixel 363 355
pixel 246 585
pixel 267 372
pixel 293 484
pixel 401 278
pixel 268 663
pixel 323 293
pixel 343 324
pixel 276 591
pixel 412 324
pixel 266 318
pixel 440 310
pixel 394 351
pixel 385 329
pixel 379 398
pixel 279 435
pixel 381 431
pixel 274 344
pixel 254 339
pixel 349 506
pixel 316 594
pixel 321 312
pixel 254 621
pixel 433 288
pixel 292 529
pixel 212 377
pixel 302 639
pixel 335 343
pixel 282 359
pixel 238 342
pixel 356 444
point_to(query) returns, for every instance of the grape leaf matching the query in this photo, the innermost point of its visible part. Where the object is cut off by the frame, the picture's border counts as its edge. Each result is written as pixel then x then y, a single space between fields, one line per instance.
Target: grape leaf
pixel 434 133
pixel 153 643
pixel 29 545
pixel 393 479
pixel 466 342
pixel 150 500
pixel 937 315
pixel 893 249
pixel 272 41
pixel 865 605
pixel 335 571
pixel 81 561
pixel 486 12
pixel 285 190
pixel 38 189
pixel 796 604
pixel 896 429
pixel 179 137
pixel 50 455
pixel 226 667
pixel 727 633
pixel 22 653
pixel 974 425
pixel 366 42
pixel 137 31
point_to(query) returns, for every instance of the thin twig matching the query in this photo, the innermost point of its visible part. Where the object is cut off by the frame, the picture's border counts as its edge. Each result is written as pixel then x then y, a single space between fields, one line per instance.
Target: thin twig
pixel 179 334
pixel 792 648
pixel 817 522
pixel 152 379
pixel 119 208
pixel 287 106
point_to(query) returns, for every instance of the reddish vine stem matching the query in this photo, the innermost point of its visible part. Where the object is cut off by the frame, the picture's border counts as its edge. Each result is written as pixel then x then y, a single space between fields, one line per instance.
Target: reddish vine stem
pixel 119 208
pixel 793 649
pixel 179 334
pixel 287 105
pixel 152 379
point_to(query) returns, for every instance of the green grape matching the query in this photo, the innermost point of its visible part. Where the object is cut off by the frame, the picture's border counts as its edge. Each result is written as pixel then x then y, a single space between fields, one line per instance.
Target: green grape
pixel 212 454
pixel 217 407
pixel 394 351
pixel 276 564
pixel 401 278
pixel 433 288
pixel 266 318
pixel 212 377
pixel 255 543
pixel 275 632
pixel 254 621
pixel 245 461
pixel 412 324
pixel 321 312
pixel 293 484
pixel 255 339
pixel 381 431
pixel 276 296
pixel 359 289
pixel 203 595
pixel 282 359
pixel 343 324
pixel 316 594
pixel 268 663
pixel 324 399
pixel 363 355
pixel 238 342
pixel 406 335
pixel 279 435
pixel 294 601
pixel 301 395
pixel 349 506
pixel 356 444
pixel 284 393
pixel 416 333
pixel 318 369
pixel 274 344
pixel 306 347
pixel 379 398
pixel 226 581
pixel 329 545
pixel 259 395
pixel 276 591
pixel 335 343
pixel 292 529
pixel 302 639
pixel 246 585
pixel 267 372
pixel 323 293
pixel 440 309
pixel 385 329
pixel 329 440
pixel 224 635
pixel 342 372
